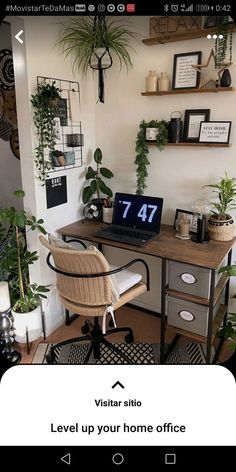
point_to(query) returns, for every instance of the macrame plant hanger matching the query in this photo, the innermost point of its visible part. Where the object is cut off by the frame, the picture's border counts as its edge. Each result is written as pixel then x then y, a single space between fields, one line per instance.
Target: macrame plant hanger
pixel 100 58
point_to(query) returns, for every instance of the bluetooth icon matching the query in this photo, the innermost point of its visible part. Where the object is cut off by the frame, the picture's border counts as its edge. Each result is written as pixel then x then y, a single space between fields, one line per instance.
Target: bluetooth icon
pixel 166 8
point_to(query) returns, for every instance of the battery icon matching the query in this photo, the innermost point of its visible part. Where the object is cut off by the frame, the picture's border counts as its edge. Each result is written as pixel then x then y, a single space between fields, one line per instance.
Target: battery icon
pixel 203 8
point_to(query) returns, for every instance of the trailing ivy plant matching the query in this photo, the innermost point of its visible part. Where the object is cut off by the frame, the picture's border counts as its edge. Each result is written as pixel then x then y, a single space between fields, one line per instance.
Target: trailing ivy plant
pixel 142 150
pixel 223 45
pixel 44 102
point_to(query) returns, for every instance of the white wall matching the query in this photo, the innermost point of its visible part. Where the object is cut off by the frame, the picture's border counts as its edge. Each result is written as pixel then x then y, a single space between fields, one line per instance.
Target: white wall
pixel 38 56
pixel 176 174
pixel 10 174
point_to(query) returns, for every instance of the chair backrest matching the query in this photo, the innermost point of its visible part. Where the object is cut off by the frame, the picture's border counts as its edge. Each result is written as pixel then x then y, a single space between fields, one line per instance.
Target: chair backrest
pixel 85 291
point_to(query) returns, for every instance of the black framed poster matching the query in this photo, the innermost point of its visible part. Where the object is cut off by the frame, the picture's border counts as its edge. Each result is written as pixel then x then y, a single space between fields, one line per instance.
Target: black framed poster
pixel 56 191
pixel 184 75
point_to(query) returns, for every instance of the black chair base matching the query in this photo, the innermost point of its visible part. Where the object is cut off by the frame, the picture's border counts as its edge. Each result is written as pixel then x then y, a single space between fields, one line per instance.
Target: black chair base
pixel 96 338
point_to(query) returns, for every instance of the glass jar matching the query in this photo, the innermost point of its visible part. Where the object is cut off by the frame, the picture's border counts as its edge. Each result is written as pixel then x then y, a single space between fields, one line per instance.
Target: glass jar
pixel 163 82
pixel 151 81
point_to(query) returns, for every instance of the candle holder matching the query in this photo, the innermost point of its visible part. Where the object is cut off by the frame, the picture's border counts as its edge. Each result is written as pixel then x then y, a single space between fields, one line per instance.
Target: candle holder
pixel 8 354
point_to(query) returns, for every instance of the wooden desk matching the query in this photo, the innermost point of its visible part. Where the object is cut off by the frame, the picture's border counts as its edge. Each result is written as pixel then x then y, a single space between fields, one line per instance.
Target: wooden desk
pixel 168 248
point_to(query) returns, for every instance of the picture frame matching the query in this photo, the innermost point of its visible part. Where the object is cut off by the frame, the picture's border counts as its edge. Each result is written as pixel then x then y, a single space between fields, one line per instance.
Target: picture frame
pixel 191 216
pixel 184 75
pixel 192 121
pixel 215 132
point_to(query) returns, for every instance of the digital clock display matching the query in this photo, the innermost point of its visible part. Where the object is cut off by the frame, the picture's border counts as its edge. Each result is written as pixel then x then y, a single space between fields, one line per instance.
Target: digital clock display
pixel 138 211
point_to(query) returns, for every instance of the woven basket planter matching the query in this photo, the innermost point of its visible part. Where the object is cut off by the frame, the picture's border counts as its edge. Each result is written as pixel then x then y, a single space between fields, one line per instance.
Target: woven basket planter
pixel 221 230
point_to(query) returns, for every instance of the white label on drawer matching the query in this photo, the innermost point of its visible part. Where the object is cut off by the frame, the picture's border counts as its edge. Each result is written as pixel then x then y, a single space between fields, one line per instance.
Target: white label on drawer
pixel 186 315
pixel 188 278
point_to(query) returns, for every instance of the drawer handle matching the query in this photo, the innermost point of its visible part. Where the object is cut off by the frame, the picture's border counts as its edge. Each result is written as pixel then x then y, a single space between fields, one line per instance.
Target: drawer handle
pixel 186 315
pixel 188 278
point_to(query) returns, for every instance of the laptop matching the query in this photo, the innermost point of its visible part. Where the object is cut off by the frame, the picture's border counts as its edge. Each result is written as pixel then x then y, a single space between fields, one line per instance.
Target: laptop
pixel 136 219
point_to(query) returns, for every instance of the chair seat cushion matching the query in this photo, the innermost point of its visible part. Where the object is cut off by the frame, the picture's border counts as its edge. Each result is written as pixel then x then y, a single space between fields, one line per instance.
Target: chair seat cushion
pixel 125 279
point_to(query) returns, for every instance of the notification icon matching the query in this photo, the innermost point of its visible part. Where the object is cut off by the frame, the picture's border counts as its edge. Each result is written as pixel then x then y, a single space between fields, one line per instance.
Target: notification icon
pixel 130 7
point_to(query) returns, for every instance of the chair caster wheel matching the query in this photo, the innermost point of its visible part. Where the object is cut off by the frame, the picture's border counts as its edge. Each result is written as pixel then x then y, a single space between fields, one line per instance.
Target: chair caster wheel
pixel 129 338
pixel 85 328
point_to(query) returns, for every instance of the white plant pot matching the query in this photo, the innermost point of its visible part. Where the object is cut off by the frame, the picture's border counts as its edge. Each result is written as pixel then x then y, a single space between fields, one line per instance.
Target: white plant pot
pixel 107 215
pixel 31 321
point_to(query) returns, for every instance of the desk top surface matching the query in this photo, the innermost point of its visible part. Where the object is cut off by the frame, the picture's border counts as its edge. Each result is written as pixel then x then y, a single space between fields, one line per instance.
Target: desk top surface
pixel 165 246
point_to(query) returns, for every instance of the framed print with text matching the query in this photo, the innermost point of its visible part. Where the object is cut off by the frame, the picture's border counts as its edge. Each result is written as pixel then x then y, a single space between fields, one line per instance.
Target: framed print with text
pixel 215 132
pixel 192 121
pixel 184 75
pixel 192 217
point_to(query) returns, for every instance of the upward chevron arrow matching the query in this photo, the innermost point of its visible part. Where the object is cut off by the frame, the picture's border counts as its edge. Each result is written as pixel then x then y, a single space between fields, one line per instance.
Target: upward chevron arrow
pixel 117 383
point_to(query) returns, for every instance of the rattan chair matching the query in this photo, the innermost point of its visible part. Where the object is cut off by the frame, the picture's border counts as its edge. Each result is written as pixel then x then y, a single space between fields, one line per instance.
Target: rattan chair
pixel 87 286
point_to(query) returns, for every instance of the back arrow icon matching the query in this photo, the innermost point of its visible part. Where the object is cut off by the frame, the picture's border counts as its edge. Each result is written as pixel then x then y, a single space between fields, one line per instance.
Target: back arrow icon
pixel 66 459
pixel 17 36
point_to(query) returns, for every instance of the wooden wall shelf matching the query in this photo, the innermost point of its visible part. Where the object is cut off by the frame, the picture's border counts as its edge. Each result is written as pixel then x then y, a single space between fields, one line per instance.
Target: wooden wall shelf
pixel 172 37
pixel 153 143
pixel 185 91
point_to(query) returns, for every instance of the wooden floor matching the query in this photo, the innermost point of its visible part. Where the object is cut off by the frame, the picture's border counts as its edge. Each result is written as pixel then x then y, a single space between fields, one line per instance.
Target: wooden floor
pixel 146 328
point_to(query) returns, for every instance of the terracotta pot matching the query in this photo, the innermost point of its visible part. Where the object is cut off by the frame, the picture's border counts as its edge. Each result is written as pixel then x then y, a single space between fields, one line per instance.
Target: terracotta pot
pixel 221 230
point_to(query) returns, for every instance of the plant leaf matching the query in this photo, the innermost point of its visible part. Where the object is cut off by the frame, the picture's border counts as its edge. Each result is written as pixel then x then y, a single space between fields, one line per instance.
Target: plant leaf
pixel 87 194
pixel 98 155
pixel 106 172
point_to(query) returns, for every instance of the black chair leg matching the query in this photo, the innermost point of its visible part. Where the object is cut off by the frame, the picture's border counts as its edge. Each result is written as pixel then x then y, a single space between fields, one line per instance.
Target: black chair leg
pixel 116 350
pixel 51 355
pixel 129 337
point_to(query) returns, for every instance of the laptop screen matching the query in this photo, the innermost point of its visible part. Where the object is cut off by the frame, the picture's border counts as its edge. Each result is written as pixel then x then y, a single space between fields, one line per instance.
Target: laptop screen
pixel 138 211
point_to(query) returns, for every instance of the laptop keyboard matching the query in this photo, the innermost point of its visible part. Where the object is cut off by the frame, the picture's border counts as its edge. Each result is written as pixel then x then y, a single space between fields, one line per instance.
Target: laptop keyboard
pixel 130 232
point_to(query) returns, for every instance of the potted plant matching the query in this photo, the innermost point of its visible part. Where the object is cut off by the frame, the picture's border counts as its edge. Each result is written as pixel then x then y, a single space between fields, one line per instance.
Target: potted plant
pixel 44 102
pixel 142 151
pixel 221 224
pixel 228 329
pixel 97 184
pixel 14 265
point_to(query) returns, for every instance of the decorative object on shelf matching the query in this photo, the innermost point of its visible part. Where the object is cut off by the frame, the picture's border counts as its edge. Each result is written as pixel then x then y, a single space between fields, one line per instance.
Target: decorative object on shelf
pixel 57 157
pixel 215 132
pixel 225 79
pixel 151 134
pixel 165 25
pixel 175 128
pixel 69 158
pixel 7 336
pixel 163 82
pixel 182 215
pixel 183 227
pixel 14 265
pixel 92 211
pixel 97 185
pixel 93 41
pixel 107 210
pixel 44 102
pixel 142 151
pixel 220 223
pixel 75 140
pixel 185 74
pixel 151 81
pixel 199 67
pixel 201 236
pixel 192 121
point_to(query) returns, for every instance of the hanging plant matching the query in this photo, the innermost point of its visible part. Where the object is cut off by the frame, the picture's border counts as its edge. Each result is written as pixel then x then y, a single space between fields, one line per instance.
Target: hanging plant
pixel 223 42
pixel 44 102
pixel 93 42
pixel 142 149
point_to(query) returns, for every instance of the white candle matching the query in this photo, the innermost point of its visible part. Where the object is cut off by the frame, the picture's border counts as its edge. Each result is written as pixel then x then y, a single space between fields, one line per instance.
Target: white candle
pixel 4 297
